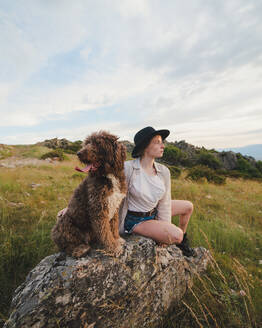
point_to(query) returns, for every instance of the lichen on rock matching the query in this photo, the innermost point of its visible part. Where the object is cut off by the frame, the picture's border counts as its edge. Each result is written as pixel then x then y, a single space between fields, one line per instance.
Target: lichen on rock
pixel 135 289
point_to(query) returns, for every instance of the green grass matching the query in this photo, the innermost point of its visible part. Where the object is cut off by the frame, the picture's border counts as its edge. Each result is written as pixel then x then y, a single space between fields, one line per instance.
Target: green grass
pixel 5 151
pixel 226 219
pixel 29 151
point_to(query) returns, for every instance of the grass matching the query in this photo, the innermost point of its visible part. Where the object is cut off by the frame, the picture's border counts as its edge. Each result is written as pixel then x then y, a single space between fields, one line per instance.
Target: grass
pixel 226 220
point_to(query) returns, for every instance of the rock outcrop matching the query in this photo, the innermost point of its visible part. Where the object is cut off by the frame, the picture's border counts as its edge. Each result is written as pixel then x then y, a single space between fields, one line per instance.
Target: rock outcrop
pixel 134 290
pixel 228 159
pixel 191 150
pixel 56 143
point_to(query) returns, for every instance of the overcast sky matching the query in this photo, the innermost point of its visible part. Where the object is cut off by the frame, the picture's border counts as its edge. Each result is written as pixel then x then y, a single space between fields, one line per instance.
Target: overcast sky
pixel 69 68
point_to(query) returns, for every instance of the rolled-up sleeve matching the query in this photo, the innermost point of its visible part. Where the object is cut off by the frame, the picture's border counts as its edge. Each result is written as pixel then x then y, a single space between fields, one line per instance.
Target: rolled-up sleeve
pixel 164 204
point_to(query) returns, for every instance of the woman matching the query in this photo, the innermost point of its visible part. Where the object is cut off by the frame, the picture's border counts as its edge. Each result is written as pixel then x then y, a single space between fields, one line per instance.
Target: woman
pixel 148 208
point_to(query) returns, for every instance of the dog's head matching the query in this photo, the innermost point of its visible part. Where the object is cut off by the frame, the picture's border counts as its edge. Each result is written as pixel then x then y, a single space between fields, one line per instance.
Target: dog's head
pixel 102 153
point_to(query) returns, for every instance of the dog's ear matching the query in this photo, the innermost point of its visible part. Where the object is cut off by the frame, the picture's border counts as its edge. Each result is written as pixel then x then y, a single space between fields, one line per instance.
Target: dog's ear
pixel 86 141
pixel 120 156
pixel 123 151
pixel 105 146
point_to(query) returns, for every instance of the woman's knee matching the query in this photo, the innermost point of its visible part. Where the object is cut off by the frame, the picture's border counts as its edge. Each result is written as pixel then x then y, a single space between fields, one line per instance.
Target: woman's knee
pixel 172 234
pixel 179 236
pixel 181 207
pixel 189 207
pixel 175 235
pixel 160 231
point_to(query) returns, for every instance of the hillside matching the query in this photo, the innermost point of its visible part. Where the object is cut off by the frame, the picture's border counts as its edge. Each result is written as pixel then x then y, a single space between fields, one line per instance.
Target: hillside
pixel 250 150
pixel 204 163
pixel 227 219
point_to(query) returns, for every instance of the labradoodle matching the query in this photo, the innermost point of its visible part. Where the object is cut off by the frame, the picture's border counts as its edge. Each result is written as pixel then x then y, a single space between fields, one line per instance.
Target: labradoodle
pixel 91 217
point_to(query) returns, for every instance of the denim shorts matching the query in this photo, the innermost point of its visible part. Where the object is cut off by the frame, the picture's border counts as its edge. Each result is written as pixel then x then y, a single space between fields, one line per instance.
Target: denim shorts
pixel 131 221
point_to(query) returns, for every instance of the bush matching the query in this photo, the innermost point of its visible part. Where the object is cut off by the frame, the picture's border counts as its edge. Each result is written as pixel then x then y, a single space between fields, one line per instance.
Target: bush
pixel 200 172
pixel 234 174
pixel 218 179
pixel 55 153
pixel 74 147
pixel 208 159
pixel 174 155
pixel 222 171
pixel 245 167
pixel 259 166
pixel 174 171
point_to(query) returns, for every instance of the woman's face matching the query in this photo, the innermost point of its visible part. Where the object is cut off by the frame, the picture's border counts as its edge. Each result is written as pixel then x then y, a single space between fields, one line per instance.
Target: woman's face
pixel 155 148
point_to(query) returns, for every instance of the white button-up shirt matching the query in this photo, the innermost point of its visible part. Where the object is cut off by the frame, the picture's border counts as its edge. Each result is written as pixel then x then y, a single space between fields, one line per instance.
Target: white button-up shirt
pixel 132 169
pixel 145 191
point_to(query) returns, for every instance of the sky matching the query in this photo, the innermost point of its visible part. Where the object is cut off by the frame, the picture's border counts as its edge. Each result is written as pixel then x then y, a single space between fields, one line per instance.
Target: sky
pixel 70 68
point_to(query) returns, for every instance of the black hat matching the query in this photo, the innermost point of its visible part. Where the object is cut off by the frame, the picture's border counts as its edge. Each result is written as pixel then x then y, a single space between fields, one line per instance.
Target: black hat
pixel 143 137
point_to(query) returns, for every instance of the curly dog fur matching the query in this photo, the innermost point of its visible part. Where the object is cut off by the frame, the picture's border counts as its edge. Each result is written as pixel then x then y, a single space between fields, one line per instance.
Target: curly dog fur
pixel 92 214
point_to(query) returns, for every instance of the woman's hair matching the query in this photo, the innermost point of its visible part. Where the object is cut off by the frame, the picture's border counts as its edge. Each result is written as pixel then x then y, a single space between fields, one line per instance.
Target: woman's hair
pixel 141 152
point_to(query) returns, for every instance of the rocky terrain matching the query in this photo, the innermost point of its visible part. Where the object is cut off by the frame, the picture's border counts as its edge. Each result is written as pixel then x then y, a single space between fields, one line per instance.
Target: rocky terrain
pixel 135 290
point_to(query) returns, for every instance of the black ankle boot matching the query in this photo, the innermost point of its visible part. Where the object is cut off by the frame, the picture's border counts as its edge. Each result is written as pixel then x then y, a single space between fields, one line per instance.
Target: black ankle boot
pixel 184 246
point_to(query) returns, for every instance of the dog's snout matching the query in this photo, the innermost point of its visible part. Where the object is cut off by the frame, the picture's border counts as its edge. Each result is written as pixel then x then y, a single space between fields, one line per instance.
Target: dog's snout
pixel 78 153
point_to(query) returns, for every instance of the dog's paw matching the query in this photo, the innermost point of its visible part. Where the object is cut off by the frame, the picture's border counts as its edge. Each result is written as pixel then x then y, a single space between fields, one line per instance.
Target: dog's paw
pixel 121 241
pixel 115 250
pixel 119 249
pixel 81 251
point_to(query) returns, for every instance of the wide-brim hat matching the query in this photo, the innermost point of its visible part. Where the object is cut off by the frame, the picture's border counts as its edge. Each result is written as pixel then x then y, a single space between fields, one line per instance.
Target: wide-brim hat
pixel 143 137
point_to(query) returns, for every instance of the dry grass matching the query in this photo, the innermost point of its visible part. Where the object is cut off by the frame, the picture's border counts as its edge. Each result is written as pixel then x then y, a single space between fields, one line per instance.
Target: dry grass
pixel 226 219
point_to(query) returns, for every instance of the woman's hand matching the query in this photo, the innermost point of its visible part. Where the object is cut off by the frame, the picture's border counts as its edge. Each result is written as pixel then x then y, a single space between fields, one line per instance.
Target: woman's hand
pixel 62 212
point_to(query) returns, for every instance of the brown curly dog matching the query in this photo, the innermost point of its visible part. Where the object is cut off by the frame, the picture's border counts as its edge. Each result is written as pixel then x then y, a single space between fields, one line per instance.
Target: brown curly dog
pixel 91 217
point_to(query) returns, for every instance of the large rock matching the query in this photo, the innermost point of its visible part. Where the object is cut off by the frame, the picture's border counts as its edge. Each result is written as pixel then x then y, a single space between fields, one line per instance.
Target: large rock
pixel 229 159
pixel 133 290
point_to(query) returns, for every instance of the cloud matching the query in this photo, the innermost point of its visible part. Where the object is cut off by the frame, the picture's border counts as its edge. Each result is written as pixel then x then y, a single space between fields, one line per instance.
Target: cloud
pixel 193 67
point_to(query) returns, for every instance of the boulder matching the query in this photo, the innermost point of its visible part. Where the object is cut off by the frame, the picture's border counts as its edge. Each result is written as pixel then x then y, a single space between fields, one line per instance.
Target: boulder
pixel 229 159
pixel 135 289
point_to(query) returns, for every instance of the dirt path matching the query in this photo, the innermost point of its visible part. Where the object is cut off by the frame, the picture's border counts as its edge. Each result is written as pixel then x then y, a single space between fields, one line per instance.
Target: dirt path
pixel 12 162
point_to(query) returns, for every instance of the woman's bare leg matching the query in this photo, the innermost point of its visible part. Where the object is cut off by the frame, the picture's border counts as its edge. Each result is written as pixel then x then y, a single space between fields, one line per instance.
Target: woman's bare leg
pixel 164 232
pixel 184 208
pixel 160 231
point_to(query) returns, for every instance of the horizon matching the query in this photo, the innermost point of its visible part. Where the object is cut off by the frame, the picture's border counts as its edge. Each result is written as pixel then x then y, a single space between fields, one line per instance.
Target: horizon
pixel 69 69
pixel 122 140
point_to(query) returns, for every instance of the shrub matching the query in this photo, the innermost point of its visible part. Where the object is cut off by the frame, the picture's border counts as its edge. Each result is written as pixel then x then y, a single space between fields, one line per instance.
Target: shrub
pixel 208 159
pixel 222 171
pixel 55 153
pixel 234 174
pixel 174 171
pixel 244 166
pixel 200 172
pixel 174 155
pixel 259 166
pixel 74 147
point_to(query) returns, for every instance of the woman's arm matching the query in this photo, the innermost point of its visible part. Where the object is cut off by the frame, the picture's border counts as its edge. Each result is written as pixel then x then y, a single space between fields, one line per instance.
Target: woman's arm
pixel 164 205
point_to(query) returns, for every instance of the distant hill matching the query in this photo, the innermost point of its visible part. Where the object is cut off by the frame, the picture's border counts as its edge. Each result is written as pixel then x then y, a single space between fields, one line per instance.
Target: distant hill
pixel 228 159
pixel 250 150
